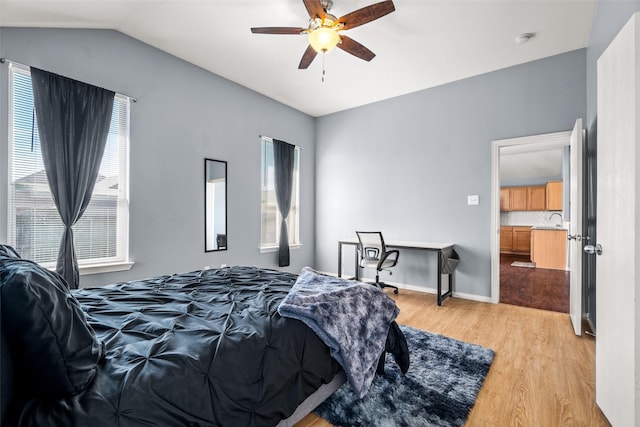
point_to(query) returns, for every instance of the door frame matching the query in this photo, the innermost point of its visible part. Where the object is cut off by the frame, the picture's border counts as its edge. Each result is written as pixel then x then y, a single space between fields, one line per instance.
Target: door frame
pixel 534 143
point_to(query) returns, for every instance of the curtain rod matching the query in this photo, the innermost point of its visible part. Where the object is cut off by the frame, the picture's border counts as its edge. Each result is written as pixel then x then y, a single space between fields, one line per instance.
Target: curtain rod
pixel 11 61
pixel 271 139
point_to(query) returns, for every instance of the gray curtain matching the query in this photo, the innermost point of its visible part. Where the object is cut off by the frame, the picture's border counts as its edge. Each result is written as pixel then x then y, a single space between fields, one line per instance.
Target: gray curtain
pixel 283 156
pixel 73 124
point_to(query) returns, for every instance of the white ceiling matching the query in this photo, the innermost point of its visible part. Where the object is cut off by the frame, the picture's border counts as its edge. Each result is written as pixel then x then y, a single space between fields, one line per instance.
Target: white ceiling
pixel 530 165
pixel 424 43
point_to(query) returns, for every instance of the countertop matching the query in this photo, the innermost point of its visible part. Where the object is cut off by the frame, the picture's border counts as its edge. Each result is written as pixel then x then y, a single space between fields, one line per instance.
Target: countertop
pixel 538 227
pixel 549 228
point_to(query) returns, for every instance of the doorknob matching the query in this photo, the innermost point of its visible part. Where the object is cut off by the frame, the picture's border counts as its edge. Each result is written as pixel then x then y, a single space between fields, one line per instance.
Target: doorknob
pixel 590 249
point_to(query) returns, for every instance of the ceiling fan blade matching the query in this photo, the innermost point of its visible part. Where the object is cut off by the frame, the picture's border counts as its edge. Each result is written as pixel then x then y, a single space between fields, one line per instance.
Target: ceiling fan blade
pixel 277 30
pixel 307 58
pixel 351 46
pixel 367 14
pixel 315 9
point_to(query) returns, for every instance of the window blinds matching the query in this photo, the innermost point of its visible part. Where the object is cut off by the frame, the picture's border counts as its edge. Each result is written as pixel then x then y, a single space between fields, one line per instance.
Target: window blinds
pixel 270 215
pixel 101 235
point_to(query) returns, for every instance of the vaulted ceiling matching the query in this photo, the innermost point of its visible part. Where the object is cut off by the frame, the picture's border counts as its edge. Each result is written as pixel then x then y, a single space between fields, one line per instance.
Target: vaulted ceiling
pixel 424 43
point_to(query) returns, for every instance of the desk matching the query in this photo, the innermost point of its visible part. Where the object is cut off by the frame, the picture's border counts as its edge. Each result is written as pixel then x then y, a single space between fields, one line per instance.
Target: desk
pixel 397 244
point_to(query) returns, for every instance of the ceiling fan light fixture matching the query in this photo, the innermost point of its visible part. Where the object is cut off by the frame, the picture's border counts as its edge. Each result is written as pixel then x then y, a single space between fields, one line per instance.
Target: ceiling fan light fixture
pixel 324 39
pixel 323 32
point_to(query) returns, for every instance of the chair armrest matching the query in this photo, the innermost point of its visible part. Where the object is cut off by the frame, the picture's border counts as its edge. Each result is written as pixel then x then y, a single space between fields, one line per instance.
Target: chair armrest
pixel 393 255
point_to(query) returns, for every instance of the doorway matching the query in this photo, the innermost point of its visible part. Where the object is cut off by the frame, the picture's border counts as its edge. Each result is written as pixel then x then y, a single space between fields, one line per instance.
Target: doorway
pixel 545 289
pixel 532 272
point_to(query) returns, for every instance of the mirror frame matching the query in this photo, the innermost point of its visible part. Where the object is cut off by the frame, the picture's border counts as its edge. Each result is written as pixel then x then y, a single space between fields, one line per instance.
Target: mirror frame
pixel 206 202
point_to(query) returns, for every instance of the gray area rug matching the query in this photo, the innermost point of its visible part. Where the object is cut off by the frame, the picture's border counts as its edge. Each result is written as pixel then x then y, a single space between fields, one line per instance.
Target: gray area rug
pixel 439 389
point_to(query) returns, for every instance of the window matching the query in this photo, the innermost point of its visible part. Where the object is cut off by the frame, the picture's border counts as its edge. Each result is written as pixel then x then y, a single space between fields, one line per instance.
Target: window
pixel 35 228
pixel 271 217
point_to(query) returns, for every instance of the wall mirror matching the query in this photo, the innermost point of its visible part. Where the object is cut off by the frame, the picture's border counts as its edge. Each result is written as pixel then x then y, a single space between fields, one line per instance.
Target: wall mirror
pixel 215 205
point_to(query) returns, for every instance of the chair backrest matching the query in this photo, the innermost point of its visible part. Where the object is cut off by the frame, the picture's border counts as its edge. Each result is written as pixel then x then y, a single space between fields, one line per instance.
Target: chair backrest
pixel 371 244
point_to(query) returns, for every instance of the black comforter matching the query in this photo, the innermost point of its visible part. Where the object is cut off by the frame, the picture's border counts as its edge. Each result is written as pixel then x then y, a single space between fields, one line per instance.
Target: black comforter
pixel 205 348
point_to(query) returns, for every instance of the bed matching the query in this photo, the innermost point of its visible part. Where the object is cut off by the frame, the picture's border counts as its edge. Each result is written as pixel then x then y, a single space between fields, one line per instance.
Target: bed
pixel 205 348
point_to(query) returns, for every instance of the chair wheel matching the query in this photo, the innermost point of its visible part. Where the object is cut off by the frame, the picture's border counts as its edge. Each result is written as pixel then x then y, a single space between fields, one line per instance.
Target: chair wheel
pixel 395 291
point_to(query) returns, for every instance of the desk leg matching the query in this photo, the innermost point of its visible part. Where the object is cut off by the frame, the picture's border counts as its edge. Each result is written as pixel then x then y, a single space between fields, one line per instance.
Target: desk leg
pixel 448 293
pixel 355 264
pixel 339 259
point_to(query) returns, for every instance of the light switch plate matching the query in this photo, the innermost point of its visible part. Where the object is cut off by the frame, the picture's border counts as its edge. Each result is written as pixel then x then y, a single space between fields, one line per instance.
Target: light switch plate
pixel 473 199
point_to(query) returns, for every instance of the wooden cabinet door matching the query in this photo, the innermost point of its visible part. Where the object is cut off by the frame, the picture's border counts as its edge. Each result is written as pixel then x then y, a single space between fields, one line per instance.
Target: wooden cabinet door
pixel 536 198
pixel 549 249
pixel 518 198
pixel 523 198
pixel 506 239
pixel 554 195
pixel 504 199
pixel 522 239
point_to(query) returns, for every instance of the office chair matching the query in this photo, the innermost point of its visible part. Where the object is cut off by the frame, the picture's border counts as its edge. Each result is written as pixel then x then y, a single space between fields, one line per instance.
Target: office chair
pixel 221 241
pixel 374 254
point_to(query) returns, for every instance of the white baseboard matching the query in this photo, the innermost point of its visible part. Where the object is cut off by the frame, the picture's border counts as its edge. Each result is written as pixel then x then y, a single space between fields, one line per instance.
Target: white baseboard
pixel 434 291
pixel 473 297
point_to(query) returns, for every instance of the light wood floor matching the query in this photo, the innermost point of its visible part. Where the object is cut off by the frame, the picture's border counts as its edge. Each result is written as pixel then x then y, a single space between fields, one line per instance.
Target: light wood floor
pixel 542 375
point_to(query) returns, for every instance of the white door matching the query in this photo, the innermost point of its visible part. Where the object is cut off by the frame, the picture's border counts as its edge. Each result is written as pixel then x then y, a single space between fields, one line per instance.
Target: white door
pixel 575 228
pixel 617 289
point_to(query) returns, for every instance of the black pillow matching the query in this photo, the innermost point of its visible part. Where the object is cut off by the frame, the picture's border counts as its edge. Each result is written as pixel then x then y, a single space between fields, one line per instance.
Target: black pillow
pixel 6 377
pixel 54 351
pixel 8 252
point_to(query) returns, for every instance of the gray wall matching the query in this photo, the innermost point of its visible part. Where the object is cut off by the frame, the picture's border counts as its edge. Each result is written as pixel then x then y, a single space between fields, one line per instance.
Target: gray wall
pixel 183 115
pixel 406 165
pixel 609 20
pixel 403 165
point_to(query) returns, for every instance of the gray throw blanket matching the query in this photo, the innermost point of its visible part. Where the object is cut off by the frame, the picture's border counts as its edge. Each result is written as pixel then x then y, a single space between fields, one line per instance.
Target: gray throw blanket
pixel 351 318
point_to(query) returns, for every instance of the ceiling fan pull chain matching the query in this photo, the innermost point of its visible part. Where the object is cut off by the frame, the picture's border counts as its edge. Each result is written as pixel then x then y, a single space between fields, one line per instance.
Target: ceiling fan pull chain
pixel 323 71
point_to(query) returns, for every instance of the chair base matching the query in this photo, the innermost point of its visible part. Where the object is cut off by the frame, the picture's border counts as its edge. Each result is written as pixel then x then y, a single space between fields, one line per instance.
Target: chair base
pixel 383 285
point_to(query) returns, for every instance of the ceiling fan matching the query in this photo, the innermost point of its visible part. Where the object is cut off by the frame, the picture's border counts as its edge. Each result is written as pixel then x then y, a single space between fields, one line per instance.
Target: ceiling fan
pixel 323 29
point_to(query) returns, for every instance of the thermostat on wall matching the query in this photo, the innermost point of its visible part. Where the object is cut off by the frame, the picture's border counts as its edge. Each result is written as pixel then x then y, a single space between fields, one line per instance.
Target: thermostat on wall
pixel 473 200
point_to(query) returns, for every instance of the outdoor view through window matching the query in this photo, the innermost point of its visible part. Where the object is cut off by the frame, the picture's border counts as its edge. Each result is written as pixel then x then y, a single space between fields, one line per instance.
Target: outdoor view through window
pixel 271 217
pixel 35 228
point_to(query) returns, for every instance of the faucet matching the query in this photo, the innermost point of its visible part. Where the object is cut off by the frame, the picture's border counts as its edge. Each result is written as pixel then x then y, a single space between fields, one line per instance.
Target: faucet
pixel 556 213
